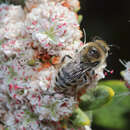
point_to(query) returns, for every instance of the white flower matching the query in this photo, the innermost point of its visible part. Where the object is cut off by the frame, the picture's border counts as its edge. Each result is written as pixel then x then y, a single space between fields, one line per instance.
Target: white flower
pixel 71 4
pixel 11 14
pixel 34 125
pixel 10 119
pixel 99 71
pixel 11 21
pixel 51 29
pixel 126 73
pixel 87 128
pixel 74 4
pixel 27 94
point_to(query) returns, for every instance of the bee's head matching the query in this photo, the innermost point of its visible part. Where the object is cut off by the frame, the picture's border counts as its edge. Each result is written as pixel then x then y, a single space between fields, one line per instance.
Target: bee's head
pixel 94 52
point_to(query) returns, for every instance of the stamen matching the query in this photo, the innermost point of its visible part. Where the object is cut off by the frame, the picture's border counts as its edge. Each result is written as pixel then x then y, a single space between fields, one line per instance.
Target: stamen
pixel 112 71
pixel 122 62
pixel 107 70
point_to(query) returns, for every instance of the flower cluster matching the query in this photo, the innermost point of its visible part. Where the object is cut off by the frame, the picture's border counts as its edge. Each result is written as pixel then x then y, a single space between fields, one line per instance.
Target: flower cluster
pixel 126 74
pixel 32 43
pixel 11 21
pixel 73 5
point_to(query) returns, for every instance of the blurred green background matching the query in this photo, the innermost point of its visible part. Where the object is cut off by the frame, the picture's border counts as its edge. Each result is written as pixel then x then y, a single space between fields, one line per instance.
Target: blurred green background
pixel 110 20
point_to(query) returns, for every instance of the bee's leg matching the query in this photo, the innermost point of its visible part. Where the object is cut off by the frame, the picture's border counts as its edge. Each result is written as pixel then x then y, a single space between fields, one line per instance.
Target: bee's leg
pixel 74 93
pixel 50 94
pixel 76 96
pixel 63 59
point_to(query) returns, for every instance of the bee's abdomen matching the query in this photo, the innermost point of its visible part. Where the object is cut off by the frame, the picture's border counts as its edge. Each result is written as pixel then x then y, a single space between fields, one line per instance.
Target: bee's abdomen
pixel 62 80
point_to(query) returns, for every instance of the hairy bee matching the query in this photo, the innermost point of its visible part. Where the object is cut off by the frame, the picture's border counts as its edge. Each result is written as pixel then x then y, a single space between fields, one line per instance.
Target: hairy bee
pixel 79 70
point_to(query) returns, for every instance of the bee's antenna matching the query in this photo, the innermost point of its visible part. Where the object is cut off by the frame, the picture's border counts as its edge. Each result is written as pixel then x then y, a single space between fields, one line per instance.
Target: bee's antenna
pixel 96 38
pixel 84 35
pixel 113 45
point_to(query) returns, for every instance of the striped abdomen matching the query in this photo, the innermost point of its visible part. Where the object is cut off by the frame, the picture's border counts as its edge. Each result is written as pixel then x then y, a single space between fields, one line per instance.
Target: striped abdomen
pixel 68 76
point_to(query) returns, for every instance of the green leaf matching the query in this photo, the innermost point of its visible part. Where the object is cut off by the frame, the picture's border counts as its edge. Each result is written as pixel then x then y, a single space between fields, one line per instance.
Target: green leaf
pixel 96 97
pixel 79 118
pixel 89 114
pixel 2 1
pixel 80 18
pixel 112 114
pixel 76 10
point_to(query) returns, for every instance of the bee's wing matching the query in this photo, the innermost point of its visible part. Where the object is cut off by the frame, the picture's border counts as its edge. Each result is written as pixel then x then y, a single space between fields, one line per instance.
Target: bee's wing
pixel 78 73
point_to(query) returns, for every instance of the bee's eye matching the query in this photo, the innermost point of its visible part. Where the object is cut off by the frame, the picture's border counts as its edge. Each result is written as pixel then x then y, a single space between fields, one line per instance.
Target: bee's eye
pixel 93 52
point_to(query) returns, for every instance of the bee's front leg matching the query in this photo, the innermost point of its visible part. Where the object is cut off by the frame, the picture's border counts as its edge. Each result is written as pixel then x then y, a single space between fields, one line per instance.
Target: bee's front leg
pixel 88 78
pixel 63 59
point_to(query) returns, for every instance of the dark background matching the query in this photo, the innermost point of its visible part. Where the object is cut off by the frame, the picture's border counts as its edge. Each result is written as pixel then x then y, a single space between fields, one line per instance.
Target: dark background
pixel 110 20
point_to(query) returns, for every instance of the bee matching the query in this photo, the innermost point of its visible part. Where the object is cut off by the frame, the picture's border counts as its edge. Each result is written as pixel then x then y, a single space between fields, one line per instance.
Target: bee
pixel 80 70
